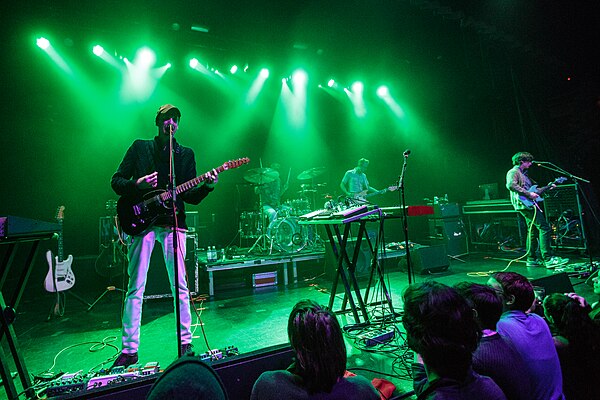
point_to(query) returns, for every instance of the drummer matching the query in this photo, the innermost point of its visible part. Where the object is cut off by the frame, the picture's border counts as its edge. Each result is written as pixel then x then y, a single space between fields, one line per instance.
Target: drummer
pixel 271 193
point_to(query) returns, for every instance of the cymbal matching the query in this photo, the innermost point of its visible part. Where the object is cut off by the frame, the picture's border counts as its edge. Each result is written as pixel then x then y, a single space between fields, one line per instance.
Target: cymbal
pixel 311 173
pixel 306 191
pixel 261 175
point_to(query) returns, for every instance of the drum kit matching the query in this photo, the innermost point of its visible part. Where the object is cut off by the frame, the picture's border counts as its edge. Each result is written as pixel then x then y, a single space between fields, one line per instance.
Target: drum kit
pixel 281 233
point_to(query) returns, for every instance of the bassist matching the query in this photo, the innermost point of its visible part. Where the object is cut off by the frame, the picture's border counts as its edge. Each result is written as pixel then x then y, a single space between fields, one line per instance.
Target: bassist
pixel 144 168
pixel 355 184
pixel 519 184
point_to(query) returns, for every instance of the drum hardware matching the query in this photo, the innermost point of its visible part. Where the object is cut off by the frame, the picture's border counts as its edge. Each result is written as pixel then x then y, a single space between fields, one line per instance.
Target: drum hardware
pixel 311 173
pixel 260 176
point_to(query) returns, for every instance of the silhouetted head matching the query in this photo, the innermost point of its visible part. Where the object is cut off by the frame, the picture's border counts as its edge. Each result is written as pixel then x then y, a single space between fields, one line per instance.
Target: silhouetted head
pixel 316 337
pixel 440 326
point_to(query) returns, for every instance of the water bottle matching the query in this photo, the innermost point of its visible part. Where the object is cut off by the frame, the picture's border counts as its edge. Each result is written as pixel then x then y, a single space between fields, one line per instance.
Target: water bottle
pixel 213 254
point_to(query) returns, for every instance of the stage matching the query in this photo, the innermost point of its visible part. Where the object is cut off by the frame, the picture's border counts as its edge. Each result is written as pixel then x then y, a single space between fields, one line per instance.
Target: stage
pixel 246 317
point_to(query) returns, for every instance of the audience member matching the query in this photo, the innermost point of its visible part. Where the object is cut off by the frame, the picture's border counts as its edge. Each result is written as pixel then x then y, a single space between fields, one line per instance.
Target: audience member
pixel 495 357
pixel 577 343
pixel 529 333
pixel 441 328
pixel 320 361
pixel 188 378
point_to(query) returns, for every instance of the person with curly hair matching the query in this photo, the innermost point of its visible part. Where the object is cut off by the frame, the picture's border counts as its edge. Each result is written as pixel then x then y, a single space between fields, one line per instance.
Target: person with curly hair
pixel 529 333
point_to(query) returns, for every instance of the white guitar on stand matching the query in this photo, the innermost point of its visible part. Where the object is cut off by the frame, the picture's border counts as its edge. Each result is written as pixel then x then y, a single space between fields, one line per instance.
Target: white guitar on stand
pixel 60 276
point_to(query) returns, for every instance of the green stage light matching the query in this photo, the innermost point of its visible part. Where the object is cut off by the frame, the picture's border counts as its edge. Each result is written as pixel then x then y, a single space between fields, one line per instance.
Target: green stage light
pixel 98 50
pixel 358 87
pixel 299 77
pixel 233 69
pixel 194 63
pixel 145 58
pixel 383 91
pixel 168 65
pixel 43 43
pixel 264 73
pixel 331 83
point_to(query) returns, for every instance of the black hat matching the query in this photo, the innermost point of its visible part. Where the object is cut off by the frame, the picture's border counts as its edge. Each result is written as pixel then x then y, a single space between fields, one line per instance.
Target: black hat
pixel 165 109
pixel 188 378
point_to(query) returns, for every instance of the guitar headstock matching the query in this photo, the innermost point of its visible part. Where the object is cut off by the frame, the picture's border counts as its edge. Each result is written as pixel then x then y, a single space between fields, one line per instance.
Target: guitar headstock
pixel 60 213
pixel 559 180
pixel 235 163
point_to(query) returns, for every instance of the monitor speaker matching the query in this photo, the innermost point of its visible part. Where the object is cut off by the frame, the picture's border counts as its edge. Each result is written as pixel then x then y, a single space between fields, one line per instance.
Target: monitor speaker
pixel 558 283
pixel 426 260
pixel 363 262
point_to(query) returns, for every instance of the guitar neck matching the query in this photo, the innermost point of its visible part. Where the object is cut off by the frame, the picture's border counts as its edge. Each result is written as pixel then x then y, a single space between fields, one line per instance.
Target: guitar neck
pixel 60 254
pixel 192 183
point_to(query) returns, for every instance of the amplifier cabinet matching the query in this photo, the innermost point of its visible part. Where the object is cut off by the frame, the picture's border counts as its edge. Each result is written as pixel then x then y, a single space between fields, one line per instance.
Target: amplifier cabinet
pixel 157 283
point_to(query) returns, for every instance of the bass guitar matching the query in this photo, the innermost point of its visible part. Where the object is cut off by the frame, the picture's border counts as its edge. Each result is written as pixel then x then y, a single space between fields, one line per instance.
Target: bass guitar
pixel 363 196
pixel 534 189
pixel 138 214
pixel 60 276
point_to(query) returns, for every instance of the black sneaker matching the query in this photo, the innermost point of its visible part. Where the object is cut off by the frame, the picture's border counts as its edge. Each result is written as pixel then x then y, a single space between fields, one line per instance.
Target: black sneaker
pixel 187 348
pixel 125 360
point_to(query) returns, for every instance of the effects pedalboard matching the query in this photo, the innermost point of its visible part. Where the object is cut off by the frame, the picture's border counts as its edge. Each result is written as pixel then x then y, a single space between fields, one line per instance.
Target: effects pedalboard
pixel 75 382
pixel 78 381
pixel 378 336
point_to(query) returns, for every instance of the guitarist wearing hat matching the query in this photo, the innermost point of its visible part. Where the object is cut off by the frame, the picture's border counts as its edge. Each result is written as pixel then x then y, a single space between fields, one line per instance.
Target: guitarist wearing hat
pixel 524 197
pixel 145 168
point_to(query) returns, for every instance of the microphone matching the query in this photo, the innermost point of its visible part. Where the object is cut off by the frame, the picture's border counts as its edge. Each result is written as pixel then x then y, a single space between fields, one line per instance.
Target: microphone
pixel 406 153
pixel 540 162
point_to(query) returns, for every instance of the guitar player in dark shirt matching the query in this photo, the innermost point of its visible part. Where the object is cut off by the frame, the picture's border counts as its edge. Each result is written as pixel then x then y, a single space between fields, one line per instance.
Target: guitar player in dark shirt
pixel 145 168
pixel 524 201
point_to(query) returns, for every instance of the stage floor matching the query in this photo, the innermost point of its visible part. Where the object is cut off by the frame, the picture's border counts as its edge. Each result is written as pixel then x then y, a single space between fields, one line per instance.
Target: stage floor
pixel 244 317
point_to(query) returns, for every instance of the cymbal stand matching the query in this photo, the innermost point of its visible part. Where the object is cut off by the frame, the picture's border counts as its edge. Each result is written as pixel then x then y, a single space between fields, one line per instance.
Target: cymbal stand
pixel 261 241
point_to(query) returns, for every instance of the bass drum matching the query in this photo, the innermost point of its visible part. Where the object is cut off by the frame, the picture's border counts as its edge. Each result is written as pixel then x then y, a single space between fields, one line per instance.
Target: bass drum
pixel 286 235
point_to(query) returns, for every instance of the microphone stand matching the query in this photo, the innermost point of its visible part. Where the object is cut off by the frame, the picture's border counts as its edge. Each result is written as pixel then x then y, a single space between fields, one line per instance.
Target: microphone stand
pixel 576 179
pixel 405 218
pixel 173 189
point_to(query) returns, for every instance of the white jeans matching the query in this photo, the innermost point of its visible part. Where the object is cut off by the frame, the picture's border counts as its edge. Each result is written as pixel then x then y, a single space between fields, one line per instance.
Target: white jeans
pixel 139 261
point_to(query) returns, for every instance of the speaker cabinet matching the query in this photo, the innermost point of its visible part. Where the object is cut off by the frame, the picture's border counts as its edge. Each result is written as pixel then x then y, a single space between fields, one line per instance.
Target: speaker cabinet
pixel 157 283
pixel 450 232
pixel 426 260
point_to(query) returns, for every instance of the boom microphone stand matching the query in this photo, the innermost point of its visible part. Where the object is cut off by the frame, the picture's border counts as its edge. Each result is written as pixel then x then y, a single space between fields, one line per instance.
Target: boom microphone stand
pixel 405 216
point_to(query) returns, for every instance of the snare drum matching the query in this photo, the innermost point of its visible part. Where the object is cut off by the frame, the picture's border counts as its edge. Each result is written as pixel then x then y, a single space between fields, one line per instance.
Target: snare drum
pixel 286 234
pixel 250 227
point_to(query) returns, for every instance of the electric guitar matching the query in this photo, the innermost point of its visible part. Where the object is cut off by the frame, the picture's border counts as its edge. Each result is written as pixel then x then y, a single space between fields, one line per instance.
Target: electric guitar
pixel 364 195
pixel 60 276
pixel 534 189
pixel 138 214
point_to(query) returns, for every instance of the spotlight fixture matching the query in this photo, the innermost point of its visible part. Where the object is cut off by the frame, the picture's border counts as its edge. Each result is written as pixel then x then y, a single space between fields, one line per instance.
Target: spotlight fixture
pixel 43 43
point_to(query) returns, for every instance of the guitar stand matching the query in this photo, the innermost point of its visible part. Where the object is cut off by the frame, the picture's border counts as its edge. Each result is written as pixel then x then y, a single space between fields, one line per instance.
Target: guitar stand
pixel 55 309
pixel 106 291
